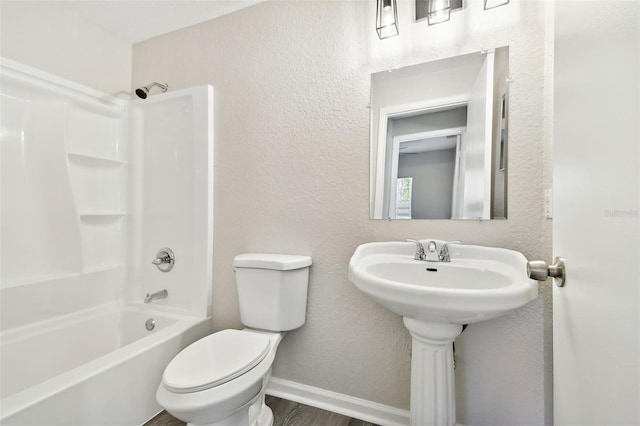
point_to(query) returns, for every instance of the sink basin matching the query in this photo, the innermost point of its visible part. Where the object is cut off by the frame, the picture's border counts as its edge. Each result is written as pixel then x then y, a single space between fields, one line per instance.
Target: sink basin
pixel 436 299
pixel 478 284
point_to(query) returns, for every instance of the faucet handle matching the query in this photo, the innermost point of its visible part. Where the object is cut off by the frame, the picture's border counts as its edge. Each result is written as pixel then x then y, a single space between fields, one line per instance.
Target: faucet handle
pixel 161 259
pixel 420 255
pixel 165 259
pixel 444 251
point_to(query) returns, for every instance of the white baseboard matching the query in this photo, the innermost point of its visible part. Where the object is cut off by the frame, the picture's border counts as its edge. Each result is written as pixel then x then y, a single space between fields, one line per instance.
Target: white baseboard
pixel 338 403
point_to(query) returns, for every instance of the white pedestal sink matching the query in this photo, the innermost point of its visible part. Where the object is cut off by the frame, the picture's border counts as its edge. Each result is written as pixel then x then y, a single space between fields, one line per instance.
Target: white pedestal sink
pixel 435 299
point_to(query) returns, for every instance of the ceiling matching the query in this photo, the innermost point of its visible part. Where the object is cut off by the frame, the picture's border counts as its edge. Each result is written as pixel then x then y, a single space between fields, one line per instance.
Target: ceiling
pixel 137 20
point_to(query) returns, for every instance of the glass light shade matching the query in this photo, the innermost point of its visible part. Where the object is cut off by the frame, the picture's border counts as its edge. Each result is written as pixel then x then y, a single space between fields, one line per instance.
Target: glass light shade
pixel 490 4
pixel 438 11
pixel 386 19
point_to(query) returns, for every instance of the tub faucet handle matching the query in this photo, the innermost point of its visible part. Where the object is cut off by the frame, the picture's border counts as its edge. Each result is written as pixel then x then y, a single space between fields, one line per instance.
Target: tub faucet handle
pixel 165 259
pixel 161 260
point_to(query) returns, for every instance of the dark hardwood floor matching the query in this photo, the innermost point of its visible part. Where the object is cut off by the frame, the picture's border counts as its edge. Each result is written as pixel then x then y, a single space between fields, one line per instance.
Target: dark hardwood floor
pixel 285 413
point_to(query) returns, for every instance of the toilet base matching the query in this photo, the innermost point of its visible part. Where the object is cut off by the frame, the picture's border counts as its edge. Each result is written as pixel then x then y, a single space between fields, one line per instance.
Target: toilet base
pixel 266 417
pixel 255 414
pixel 259 413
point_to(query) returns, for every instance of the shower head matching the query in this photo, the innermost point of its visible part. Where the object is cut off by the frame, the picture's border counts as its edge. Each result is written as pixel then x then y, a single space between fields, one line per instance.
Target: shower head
pixel 143 92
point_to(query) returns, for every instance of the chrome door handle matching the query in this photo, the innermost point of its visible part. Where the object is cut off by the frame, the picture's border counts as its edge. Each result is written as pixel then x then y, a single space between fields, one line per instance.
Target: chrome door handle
pixel 539 270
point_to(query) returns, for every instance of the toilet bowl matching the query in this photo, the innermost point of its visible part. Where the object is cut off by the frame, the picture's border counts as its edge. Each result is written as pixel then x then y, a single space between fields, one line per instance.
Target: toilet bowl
pixel 220 379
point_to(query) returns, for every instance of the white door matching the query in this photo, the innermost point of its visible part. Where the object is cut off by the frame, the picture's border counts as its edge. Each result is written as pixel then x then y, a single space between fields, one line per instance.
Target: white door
pixel 596 221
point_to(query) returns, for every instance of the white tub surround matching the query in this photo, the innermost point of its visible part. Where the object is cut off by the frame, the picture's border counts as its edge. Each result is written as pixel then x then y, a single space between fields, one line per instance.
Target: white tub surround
pixel 63 178
pixel 170 197
pixel 92 187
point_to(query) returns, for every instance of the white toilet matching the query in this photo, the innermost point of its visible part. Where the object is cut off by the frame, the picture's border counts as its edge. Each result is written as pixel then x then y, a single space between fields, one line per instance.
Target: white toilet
pixel 220 379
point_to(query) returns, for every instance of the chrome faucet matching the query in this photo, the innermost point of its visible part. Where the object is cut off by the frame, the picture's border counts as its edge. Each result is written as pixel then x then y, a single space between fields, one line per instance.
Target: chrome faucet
pixel 444 251
pixel 432 252
pixel 162 294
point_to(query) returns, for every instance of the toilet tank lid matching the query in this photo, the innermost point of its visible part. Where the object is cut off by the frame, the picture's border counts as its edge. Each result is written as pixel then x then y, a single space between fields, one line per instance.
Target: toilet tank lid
pixel 279 262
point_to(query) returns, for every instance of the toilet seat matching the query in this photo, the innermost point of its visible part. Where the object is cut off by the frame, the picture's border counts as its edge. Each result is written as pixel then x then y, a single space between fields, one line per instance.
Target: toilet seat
pixel 214 360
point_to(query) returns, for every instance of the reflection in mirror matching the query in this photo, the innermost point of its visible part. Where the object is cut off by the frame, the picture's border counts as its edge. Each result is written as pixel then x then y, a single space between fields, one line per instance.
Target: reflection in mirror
pixel 438 139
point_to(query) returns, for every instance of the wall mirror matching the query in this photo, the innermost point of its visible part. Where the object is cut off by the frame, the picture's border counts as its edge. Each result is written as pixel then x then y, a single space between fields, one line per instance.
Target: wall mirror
pixel 439 139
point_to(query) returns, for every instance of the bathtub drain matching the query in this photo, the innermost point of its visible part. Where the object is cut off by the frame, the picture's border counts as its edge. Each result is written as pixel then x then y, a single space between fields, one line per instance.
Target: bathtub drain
pixel 150 324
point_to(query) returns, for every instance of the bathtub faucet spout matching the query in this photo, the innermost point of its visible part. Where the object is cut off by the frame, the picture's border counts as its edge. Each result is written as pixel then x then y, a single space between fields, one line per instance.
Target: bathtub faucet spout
pixel 162 294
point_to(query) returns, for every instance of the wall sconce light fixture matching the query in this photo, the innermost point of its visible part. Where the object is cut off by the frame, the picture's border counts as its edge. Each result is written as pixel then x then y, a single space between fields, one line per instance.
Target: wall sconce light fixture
pixel 387 19
pixel 434 11
pixel 438 11
pixel 422 8
pixel 490 4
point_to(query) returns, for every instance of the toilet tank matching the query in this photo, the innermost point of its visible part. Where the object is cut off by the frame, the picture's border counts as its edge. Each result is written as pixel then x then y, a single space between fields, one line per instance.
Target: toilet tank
pixel 272 290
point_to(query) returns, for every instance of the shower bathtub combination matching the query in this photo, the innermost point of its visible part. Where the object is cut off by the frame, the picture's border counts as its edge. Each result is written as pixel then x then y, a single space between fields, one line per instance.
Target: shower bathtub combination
pixel 82 219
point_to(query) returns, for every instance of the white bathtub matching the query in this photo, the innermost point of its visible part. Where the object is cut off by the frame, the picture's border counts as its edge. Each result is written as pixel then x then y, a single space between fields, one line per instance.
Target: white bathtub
pixel 95 367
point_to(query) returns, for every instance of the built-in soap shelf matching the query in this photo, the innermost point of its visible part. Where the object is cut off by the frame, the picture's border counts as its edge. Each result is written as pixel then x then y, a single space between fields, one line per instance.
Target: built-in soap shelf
pixel 103 240
pixel 94 161
pixel 97 172
pixel 97 187
pixel 101 216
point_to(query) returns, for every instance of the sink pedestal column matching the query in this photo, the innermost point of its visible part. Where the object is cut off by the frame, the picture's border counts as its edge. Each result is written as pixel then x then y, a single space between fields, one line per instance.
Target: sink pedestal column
pixel 433 401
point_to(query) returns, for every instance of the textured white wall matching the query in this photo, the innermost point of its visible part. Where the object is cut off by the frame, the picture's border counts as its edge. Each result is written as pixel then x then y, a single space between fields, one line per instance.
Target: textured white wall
pixel 292 176
pixel 53 38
